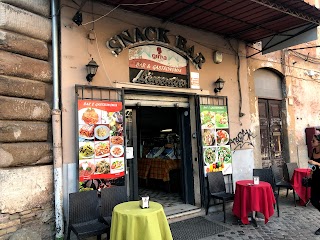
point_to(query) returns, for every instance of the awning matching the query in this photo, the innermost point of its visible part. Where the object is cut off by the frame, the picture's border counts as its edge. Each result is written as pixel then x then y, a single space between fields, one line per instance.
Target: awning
pixel 247 20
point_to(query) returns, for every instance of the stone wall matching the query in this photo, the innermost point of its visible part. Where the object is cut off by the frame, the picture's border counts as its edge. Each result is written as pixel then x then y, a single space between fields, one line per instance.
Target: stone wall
pixel 26 171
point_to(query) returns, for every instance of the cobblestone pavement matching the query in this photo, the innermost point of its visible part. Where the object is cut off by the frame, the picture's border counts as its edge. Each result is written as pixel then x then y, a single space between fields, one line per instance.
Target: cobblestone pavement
pixel 298 222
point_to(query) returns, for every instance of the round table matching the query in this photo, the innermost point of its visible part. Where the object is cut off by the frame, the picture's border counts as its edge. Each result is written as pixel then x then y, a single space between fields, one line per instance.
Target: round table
pixel 129 221
pixel 250 197
pixel 304 193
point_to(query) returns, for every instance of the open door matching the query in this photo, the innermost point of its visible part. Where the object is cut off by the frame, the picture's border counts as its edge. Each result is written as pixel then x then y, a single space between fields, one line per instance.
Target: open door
pixel 167 129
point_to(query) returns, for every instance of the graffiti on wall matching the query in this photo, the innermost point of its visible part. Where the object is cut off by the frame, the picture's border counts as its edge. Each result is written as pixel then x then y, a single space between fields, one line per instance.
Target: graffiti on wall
pixel 243 138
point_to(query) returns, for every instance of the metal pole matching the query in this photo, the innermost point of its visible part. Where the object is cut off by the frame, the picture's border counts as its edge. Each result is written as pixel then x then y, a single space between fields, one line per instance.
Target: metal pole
pixel 56 127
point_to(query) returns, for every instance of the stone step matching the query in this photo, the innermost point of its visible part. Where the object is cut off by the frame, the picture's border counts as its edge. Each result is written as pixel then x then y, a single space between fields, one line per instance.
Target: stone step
pixel 183 215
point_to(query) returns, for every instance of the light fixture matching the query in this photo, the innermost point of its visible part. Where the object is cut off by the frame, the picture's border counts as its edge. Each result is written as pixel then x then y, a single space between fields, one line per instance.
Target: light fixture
pixel 92 68
pixel 218 85
pixel 77 18
pixel 217 57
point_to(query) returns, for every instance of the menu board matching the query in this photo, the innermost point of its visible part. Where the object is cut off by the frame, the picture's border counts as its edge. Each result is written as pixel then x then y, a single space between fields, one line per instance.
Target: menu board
pixel 101 140
pixel 215 139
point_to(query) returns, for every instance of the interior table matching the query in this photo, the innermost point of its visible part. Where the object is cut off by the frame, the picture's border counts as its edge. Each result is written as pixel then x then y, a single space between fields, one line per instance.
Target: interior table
pixel 253 198
pixel 157 168
pixel 304 193
pixel 129 221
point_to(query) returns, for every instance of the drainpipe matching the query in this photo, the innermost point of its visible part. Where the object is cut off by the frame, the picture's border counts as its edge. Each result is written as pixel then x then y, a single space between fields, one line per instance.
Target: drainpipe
pixel 56 127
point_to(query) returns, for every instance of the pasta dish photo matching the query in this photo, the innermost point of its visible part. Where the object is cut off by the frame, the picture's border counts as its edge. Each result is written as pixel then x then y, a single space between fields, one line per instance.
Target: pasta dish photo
pixel 86 131
pixel 117 150
pixel 102 149
pixel 117 140
pixel 90 116
pixel 103 167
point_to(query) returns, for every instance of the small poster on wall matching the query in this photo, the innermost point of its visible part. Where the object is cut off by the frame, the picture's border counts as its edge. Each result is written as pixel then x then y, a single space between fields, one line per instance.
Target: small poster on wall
pixel 101 140
pixel 194 80
pixel 215 139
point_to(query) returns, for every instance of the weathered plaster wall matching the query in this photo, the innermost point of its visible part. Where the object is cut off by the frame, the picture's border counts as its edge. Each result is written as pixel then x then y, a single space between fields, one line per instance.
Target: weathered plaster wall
pixel 25 105
pixel 300 71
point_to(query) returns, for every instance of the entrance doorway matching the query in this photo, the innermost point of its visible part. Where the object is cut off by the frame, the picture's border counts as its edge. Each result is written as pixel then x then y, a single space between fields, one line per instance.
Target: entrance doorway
pixel 268 89
pixel 270 132
pixel 162 166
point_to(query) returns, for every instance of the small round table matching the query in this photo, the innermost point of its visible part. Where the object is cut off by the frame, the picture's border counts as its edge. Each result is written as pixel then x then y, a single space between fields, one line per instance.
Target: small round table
pixel 250 197
pixel 129 221
pixel 304 193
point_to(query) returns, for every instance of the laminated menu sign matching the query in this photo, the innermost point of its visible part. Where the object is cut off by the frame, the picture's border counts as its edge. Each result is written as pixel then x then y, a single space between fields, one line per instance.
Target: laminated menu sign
pixel 101 140
pixel 215 138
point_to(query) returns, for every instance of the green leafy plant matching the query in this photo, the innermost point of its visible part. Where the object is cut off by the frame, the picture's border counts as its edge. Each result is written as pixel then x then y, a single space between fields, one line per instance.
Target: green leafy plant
pixel 82 188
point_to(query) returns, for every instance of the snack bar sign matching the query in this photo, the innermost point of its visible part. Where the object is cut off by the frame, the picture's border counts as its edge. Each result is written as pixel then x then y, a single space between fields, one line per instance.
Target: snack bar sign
pixel 215 139
pixel 130 37
pixel 156 65
pixel 101 141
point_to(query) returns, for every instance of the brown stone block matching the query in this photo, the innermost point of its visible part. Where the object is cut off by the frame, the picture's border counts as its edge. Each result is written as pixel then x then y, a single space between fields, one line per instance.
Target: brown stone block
pixel 14 216
pixel 26 212
pixel 5 218
pixel 16 43
pixel 9 224
pixel 12 229
pixel 2 233
pixel 19 87
pixel 12 64
pixel 27 217
pixel 24 154
pixel 36 6
pixel 24 22
pixel 23 131
pixel 24 109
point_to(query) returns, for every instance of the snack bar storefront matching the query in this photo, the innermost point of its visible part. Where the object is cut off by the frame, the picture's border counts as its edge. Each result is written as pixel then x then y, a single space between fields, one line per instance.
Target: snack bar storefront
pixel 134 144
pixel 126 138
pixel 155 116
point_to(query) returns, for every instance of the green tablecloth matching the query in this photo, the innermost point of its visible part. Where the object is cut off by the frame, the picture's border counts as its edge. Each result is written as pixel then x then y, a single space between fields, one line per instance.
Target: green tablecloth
pixel 130 222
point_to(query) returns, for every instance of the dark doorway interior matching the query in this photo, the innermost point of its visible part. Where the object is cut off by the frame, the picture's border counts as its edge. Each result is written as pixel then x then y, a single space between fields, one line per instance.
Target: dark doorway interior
pixel 159 154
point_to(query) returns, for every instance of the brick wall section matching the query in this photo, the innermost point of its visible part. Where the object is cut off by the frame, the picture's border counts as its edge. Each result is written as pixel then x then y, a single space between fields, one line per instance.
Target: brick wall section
pixel 26 171
pixel 9 223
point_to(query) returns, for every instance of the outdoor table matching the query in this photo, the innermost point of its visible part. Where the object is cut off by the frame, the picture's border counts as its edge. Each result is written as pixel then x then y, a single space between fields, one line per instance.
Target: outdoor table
pixel 250 198
pixel 304 193
pixel 129 221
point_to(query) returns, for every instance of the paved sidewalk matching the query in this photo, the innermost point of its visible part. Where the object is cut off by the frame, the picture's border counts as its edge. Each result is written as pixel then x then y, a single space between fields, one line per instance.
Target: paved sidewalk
pixel 294 223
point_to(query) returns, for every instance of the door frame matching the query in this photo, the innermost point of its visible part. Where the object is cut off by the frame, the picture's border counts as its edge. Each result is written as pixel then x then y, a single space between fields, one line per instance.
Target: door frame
pixel 187 175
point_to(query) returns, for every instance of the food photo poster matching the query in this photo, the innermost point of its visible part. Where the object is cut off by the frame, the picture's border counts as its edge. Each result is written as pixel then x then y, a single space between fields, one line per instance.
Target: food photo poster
pixel 101 140
pixel 215 139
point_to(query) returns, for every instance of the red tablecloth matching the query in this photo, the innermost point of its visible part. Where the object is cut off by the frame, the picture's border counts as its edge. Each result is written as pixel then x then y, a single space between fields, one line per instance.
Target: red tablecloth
pixel 249 198
pixel 296 181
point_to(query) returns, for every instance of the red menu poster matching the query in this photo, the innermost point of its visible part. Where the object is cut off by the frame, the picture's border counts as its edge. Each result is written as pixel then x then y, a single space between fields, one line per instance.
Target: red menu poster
pixel 101 140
